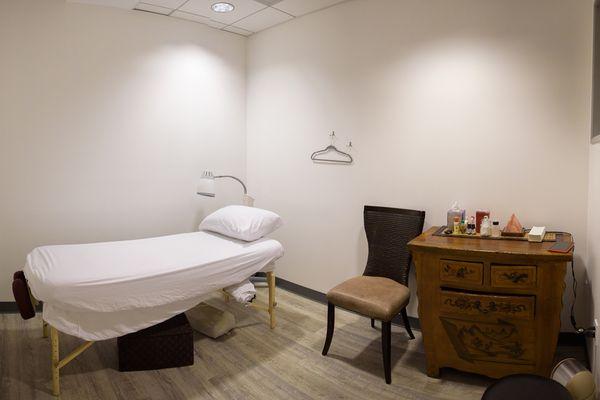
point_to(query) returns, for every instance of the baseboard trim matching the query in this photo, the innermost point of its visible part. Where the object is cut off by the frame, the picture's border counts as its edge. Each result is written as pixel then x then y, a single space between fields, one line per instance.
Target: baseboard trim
pixel 10 307
pixel 322 298
pixel 564 338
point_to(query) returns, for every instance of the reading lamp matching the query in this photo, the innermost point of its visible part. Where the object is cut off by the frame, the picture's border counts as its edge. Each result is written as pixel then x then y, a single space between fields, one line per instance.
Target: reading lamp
pixel 206 187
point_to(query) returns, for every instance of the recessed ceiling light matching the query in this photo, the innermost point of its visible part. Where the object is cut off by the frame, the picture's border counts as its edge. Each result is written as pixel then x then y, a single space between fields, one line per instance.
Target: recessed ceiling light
pixel 223 7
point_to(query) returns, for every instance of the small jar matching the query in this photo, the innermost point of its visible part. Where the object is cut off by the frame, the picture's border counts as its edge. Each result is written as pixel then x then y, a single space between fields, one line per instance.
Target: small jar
pixel 496 229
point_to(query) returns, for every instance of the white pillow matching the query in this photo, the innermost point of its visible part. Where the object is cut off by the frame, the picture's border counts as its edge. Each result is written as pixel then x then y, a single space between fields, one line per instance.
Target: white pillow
pixel 241 222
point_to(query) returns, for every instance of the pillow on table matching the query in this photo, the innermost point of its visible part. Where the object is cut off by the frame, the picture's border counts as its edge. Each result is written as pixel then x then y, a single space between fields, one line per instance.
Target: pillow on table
pixel 241 222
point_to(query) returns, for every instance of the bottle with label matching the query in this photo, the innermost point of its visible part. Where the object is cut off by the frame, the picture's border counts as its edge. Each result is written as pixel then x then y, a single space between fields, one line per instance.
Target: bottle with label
pixel 471 226
pixel 456 230
pixel 496 229
pixel 463 227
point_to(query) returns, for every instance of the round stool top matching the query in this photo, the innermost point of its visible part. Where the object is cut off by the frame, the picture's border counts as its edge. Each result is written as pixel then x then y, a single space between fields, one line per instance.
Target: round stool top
pixel 526 387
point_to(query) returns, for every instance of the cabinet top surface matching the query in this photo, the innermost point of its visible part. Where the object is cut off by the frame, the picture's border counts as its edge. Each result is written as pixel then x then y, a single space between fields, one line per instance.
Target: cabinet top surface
pixel 428 242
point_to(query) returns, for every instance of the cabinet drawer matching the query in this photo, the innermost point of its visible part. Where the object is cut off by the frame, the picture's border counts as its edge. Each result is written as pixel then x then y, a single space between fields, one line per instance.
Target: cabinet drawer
pixel 512 276
pixel 504 307
pixel 461 272
pixel 498 341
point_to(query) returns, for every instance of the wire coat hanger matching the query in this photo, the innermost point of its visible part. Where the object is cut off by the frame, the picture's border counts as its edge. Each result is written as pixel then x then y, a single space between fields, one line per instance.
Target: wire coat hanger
pixel 316 155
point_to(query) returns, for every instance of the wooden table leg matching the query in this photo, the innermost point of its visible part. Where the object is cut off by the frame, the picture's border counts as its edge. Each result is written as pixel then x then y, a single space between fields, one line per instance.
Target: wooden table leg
pixel 271 282
pixel 55 361
pixel 433 371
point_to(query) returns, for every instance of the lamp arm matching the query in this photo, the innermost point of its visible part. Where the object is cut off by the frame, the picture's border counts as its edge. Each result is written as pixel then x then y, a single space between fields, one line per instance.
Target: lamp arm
pixel 237 179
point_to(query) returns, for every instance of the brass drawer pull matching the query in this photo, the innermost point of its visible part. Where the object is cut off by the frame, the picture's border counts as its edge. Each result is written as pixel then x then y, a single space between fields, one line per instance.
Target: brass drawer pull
pixel 461 272
pixel 516 277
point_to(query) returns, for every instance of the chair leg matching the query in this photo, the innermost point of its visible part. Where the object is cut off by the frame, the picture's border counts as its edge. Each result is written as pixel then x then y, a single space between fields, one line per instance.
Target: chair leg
pixel 330 326
pixel 372 323
pixel 407 323
pixel 386 349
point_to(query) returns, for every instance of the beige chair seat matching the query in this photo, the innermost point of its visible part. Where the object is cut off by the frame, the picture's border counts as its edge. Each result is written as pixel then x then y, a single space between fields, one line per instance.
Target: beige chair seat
pixel 375 297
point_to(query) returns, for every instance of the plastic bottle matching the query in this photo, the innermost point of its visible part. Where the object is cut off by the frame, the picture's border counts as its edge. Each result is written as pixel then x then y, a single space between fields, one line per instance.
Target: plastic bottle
pixel 456 230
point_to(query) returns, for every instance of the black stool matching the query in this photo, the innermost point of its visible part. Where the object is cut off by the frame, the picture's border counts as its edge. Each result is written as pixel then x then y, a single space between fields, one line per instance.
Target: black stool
pixel 526 387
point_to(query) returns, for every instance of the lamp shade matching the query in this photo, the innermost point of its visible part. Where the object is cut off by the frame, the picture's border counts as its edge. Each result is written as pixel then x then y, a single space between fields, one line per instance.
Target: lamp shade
pixel 206 186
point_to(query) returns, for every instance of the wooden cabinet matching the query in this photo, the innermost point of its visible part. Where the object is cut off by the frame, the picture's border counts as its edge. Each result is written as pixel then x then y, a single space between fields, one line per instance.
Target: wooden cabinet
pixel 490 307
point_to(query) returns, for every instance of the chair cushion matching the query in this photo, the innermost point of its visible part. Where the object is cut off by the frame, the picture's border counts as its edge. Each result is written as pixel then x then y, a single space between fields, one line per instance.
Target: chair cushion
pixel 372 296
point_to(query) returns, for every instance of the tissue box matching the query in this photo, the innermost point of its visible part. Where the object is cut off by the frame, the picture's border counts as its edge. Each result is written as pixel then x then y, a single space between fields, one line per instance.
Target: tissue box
pixel 536 234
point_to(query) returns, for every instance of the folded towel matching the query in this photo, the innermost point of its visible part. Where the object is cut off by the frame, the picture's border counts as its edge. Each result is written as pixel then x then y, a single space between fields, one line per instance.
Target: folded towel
pixel 243 292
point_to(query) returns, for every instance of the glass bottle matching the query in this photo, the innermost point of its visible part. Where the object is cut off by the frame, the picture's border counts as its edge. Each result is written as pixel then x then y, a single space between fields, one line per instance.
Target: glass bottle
pixel 485 229
pixel 463 227
pixel 471 226
pixel 479 215
pixel 496 229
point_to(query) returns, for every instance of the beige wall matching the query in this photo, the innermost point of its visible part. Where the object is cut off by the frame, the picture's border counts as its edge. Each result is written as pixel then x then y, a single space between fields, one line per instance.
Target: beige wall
pixel 482 101
pixel 107 119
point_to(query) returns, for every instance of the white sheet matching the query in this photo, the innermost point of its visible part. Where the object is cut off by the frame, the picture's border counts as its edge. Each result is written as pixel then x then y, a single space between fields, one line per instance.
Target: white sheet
pixel 104 290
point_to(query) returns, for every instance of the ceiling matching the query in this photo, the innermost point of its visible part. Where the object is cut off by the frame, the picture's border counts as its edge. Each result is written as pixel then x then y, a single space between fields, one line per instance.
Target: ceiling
pixel 248 16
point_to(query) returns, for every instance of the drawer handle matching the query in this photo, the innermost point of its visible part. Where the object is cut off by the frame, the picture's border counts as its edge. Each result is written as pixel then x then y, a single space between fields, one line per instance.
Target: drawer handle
pixel 516 277
pixel 464 304
pixel 461 272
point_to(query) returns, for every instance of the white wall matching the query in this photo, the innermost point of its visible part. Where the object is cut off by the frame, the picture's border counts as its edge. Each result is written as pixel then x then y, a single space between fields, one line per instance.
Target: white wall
pixel 594 245
pixel 107 119
pixel 482 101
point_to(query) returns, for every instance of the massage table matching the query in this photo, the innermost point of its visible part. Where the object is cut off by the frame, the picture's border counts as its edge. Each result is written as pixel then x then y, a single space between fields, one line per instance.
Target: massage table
pixel 101 291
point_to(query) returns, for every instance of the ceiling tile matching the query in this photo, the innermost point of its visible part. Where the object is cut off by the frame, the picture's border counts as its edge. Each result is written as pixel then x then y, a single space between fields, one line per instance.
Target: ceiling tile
pixel 239 31
pixel 215 24
pixel 263 20
pixel 301 7
pixel 243 8
pixel 172 4
pixel 153 9
pixel 197 18
pixel 127 4
pixel 269 2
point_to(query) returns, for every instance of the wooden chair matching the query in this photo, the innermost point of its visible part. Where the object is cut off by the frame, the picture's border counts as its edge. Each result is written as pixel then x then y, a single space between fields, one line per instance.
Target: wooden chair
pixel 382 291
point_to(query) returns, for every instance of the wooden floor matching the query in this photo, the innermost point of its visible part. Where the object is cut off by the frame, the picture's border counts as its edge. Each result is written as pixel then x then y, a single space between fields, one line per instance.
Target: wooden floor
pixel 252 362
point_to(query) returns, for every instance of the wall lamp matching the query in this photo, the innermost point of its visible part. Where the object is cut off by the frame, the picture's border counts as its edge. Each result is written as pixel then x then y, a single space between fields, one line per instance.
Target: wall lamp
pixel 206 187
